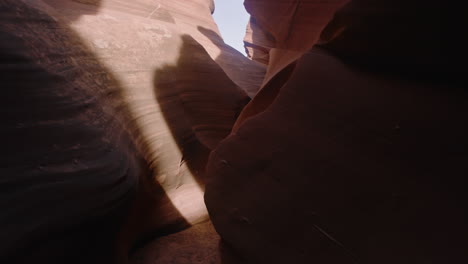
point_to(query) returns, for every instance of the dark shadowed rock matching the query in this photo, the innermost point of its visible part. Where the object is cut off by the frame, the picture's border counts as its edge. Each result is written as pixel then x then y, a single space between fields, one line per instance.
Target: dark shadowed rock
pixel 109 109
pixel 116 115
pixel 354 151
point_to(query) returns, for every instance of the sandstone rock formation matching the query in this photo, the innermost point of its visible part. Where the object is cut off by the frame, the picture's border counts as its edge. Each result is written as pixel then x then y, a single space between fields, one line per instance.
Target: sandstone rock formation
pixel 348 146
pixel 354 151
pixel 110 110
pixel 295 28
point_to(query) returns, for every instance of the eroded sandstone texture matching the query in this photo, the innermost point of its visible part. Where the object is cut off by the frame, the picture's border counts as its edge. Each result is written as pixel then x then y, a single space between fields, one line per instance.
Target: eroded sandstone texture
pixel 355 149
pixel 343 141
pixel 109 111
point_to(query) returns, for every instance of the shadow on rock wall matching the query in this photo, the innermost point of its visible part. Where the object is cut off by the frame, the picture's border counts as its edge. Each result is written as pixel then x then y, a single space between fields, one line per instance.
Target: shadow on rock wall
pixel 72 182
pixel 199 102
pixel 246 73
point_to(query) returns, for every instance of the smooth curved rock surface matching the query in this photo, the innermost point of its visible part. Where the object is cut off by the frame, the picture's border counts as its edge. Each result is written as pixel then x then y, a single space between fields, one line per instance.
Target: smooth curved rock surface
pixel 335 161
pixel 110 109
pixel 296 27
pixel 69 170
pixel 354 150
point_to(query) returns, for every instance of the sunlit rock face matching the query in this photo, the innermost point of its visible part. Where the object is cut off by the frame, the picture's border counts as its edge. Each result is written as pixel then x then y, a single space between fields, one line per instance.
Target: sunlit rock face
pixel 355 149
pixel 295 28
pixel 110 109
pixel 117 115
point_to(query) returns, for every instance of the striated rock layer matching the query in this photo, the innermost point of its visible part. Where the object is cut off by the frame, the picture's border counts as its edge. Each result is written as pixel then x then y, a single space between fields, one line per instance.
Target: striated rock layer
pixel 355 149
pixel 110 109
pixel 117 115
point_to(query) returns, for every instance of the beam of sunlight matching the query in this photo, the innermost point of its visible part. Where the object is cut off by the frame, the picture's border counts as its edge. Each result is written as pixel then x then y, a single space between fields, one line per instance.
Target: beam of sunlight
pixel 145 122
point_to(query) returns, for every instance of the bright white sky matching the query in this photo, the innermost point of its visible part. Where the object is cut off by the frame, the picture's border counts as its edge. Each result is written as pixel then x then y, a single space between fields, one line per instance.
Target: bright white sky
pixel 231 17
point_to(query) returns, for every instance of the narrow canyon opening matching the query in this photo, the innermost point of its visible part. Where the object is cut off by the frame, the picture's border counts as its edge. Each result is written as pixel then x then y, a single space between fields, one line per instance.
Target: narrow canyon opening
pixel 232 19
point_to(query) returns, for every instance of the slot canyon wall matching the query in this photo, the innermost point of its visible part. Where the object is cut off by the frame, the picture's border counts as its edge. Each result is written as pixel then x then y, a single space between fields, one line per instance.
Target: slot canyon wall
pixel 354 149
pixel 110 109
pixel 130 123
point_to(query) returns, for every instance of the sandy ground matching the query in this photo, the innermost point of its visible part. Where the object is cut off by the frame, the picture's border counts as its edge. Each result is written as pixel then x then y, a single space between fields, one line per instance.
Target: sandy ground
pixel 198 244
